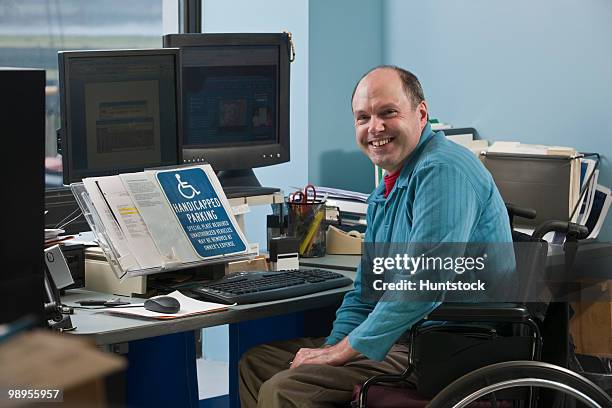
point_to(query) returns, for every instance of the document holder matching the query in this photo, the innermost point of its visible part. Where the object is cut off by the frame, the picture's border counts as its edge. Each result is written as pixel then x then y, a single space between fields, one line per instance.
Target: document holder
pixel 112 254
pixel 549 184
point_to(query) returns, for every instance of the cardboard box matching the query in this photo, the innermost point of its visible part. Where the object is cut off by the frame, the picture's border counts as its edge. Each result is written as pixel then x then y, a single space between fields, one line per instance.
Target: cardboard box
pixel 256 264
pixel 591 326
pixel 43 360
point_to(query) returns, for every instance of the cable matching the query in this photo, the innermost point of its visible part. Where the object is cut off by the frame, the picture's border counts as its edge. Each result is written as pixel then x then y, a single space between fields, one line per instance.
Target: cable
pixel 66 217
pixel 69 222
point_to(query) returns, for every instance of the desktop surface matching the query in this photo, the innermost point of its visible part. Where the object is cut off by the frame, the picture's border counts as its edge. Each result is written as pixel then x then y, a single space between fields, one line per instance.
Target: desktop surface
pixel 107 329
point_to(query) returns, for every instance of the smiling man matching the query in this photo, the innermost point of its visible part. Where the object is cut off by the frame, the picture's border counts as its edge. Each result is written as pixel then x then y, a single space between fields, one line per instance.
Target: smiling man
pixel 390 114
pixel 434 191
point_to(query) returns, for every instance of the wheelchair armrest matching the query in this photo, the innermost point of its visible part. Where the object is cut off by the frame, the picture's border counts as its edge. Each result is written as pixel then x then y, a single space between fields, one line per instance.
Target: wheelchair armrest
pixel 570 229
pixel 480 312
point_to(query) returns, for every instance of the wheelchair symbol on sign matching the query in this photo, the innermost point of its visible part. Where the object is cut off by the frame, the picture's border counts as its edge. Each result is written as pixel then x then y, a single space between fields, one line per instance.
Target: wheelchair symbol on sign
pixel 185 186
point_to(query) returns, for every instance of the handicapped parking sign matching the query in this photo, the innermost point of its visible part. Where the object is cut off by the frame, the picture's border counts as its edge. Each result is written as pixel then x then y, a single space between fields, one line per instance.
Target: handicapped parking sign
pixel 200 212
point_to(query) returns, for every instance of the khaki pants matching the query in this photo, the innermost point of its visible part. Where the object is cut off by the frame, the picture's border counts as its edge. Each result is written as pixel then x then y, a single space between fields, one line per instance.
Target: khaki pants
pixel 266 382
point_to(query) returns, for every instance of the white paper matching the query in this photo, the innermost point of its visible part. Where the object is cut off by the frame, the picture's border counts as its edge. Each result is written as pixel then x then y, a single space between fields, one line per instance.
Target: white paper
pixel 590 194
pixel 524 148
pixel 463 139
pixel 604 211
pixel 339 193
pixel 113 231
pixel 168 235
pixel 134 229
pixel 189 307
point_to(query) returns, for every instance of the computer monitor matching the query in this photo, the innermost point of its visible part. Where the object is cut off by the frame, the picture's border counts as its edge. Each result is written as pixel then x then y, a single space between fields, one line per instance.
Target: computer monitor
pixel 235 96
pixel 22 112
pixel 119 111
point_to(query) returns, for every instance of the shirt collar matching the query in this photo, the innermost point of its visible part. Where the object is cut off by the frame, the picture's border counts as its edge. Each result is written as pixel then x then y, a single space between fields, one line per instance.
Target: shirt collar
pixel 426 136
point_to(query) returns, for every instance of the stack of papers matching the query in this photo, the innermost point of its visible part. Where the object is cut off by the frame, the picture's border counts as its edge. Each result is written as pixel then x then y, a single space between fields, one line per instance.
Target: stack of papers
pixel 189 307
pixel 337 193
pixel 531 149
pixel 467 140
pixel 344 206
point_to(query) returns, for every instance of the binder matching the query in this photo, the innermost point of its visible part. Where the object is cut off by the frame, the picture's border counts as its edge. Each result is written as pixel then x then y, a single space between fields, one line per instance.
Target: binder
pixel 550 184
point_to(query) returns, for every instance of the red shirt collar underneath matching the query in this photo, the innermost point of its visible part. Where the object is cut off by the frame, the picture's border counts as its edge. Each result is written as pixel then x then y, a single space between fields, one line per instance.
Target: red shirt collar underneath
pixel 390 180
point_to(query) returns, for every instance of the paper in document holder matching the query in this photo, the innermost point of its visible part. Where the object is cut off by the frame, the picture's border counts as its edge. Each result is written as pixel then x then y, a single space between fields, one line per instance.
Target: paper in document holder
pixel 184 252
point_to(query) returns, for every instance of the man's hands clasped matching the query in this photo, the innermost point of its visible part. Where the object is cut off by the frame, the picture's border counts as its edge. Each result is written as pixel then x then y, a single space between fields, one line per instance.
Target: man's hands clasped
pixel 336 355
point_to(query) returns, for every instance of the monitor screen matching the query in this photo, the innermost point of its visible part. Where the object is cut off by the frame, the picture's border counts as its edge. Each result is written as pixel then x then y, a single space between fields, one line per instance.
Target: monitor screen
pixel 235 97
pixel 119 111
pixel 230 96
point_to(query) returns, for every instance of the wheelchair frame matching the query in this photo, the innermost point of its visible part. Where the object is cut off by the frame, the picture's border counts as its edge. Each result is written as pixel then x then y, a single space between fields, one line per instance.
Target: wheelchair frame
pixel 505 375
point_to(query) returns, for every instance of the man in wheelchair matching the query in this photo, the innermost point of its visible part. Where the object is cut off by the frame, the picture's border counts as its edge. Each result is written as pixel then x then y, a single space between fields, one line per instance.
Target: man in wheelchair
pixel 435 193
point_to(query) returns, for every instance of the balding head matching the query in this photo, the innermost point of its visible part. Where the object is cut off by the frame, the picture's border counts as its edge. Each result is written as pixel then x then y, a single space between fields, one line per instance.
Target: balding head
pixel 410 83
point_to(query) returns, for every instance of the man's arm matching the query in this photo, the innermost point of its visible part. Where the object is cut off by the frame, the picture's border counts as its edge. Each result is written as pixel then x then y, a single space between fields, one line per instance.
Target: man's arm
pixel 353 310
pixel 351 313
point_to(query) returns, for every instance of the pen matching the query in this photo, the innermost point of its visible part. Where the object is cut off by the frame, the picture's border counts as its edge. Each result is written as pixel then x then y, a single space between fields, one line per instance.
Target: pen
pixel 311 232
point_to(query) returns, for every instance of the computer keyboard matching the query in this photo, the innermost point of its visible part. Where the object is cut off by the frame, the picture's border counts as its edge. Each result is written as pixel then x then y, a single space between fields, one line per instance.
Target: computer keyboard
pixel 249 191
pixel 263 286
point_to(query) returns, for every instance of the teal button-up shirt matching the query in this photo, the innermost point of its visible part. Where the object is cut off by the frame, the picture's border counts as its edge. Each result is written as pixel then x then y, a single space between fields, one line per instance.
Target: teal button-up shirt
pixel 443 194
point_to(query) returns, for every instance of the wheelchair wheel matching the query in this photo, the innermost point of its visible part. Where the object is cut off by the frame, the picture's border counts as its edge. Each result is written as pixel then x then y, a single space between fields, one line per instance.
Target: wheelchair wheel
pixel 501 376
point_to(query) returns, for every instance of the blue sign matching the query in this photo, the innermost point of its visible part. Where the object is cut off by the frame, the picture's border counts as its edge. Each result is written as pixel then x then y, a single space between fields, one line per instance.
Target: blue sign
pixel 200 212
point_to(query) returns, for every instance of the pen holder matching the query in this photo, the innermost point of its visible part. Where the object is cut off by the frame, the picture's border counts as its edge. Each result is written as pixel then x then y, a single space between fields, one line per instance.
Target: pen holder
pixel 307 224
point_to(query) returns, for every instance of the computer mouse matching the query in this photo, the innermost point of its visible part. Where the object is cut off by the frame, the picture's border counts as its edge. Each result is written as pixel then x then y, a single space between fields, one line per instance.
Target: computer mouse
pixel 162 304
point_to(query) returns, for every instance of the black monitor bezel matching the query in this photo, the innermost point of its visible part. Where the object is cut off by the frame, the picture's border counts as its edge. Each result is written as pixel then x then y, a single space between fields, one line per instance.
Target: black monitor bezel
pixel 65 132
pixel 241 157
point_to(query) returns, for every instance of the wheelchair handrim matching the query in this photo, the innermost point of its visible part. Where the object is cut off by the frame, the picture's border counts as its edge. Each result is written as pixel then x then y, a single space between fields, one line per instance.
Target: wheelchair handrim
pixel 527 382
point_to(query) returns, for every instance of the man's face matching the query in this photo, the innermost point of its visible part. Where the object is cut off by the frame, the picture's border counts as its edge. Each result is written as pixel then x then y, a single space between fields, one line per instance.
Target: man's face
pixel 387 127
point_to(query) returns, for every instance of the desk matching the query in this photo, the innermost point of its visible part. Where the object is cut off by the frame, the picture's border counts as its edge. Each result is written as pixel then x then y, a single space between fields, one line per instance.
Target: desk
pixel 149 342
pixel 105 329
pixel 148 339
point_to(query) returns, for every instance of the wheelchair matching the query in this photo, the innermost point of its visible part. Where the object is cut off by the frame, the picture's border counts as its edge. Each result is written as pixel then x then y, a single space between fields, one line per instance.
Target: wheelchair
pixel 543 380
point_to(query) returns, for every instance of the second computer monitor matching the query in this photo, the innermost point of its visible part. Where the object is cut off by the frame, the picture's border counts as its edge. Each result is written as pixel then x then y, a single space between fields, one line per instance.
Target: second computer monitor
pixel 120 111
pixel 235 95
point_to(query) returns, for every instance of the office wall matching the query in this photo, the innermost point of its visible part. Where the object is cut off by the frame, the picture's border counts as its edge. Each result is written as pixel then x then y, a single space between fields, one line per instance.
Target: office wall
pixel 532 71
pixel 344 42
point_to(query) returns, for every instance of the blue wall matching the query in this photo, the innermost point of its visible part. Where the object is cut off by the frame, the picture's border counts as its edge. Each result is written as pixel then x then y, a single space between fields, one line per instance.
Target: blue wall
pixel 345 42
pixel 532 71
pixel 537 72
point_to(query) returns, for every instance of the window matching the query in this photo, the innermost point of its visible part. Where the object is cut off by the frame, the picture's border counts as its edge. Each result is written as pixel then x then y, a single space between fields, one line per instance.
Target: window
pixel 33 31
